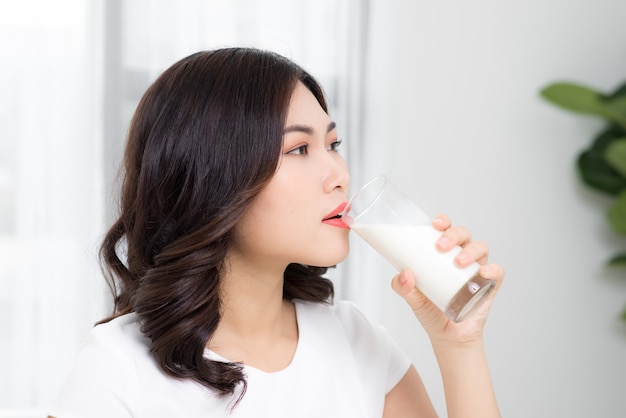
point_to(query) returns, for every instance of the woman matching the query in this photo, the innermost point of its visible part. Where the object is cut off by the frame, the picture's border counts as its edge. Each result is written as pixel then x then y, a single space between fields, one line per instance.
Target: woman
pixel 231 181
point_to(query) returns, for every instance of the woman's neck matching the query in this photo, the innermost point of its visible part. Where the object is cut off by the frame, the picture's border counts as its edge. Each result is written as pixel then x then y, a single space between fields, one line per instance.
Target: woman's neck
pixel 257 327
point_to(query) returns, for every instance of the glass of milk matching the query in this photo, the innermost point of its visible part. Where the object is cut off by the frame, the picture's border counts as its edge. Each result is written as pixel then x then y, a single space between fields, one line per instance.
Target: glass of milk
pixel 403 234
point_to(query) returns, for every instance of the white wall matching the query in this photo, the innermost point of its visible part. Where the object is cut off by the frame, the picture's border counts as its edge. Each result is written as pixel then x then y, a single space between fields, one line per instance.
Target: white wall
pixel 454 106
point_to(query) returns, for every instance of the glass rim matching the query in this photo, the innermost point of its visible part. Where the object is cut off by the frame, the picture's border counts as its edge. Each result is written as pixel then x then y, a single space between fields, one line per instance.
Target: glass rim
pixel 385 181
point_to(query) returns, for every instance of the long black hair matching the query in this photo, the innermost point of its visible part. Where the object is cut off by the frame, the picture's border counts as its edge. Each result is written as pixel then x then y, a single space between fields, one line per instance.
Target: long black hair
pixel 205 139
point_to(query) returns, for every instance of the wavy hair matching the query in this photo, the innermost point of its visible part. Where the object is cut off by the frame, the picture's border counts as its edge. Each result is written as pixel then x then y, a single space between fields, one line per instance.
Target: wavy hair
pixel 204 140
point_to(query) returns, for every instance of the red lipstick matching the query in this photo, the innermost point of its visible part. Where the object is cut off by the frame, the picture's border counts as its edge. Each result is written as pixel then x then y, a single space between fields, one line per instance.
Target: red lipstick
pixel 334 217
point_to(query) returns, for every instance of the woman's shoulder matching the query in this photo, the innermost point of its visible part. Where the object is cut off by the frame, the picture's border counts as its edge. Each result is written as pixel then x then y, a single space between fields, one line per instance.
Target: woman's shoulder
pixel 121 334
pixel 101 379
pixel 119 324
pixel 337 308
pixel 115 374
pixel 342 324
pixel 351 319
pixel 113 348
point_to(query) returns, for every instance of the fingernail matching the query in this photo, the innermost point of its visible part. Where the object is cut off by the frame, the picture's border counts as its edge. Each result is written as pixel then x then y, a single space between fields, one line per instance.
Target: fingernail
pixel 403 280
pixel 462 258
pixel 485 269
pixel 443 241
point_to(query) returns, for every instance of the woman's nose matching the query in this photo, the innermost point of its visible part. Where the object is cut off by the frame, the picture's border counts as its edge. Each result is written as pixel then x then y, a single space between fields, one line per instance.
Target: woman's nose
pixel 337 176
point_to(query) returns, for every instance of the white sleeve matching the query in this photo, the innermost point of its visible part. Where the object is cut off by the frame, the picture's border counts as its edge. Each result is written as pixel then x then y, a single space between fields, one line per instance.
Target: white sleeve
pixel 100 384
pixel 398 362
pixel 380 356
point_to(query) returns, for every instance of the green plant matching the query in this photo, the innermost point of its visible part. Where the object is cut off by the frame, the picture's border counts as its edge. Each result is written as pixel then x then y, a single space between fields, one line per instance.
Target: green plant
pixel 603 164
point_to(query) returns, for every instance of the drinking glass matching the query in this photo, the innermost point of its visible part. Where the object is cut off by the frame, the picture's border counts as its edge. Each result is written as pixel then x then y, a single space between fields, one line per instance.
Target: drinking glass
pixel 402 233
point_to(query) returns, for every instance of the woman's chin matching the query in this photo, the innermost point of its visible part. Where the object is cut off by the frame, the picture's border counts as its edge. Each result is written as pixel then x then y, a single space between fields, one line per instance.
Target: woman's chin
pixel 338 256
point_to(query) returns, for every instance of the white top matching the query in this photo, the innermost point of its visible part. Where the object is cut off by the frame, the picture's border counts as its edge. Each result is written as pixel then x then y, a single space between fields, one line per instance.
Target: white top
pixel 343 367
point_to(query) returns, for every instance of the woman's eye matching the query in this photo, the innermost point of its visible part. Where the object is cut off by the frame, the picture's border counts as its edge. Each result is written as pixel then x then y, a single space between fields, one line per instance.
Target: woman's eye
pixel 335 145
pixel 301 150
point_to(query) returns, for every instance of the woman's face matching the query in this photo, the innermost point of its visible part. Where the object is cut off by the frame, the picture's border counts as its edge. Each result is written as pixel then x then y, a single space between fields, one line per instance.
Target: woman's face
pixel 287 222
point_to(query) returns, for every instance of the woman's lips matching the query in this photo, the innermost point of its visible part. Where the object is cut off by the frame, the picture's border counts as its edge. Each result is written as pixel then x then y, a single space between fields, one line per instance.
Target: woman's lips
pixel 334 217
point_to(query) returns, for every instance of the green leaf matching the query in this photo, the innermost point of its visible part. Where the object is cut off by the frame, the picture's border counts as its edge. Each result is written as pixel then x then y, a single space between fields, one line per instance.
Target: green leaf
pixel 597 174
pixel 594 168
pixel 583 99
pixel 618 92
pixel 617 214
pixel 616 109
pixel 576 98
pixel 615 155
pixel 610 134
pixel 618 260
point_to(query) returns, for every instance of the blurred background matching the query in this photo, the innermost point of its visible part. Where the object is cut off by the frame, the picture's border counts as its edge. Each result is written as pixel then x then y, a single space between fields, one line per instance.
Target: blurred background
pixel 441 96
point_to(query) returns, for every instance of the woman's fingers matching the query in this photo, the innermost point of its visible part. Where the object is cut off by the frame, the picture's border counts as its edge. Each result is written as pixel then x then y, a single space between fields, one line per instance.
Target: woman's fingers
pixel 428 314
pixel 475 251
pixel 431 317
pixel 454 235
pixel 457 235
pixel 492 271
pixel 441 222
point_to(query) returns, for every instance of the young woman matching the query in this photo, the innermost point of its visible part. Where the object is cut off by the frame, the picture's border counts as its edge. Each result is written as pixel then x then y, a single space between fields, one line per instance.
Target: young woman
pixel 231 178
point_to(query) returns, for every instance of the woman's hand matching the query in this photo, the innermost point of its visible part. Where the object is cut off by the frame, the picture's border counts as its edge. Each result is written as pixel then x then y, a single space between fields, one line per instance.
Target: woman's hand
pixel 438 326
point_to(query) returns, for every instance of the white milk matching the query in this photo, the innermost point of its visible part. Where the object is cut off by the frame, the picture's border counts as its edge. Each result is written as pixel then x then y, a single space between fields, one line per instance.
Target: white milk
pixel 413 247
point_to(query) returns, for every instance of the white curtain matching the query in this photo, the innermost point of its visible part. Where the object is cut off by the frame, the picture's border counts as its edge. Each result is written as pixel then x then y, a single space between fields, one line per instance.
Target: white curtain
pixel 51 190
pixel 72 73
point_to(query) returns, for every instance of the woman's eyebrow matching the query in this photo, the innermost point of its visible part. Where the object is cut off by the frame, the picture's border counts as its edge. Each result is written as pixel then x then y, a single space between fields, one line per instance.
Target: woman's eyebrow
pixel 307 129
